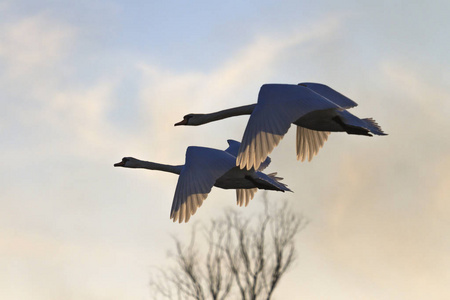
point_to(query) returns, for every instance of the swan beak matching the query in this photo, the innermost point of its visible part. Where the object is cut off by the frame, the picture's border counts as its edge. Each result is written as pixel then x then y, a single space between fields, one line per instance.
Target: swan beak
pixel 184 122
pixel 120 164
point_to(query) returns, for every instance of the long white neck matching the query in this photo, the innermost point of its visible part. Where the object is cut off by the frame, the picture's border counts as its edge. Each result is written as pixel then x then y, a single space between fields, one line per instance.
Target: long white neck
pixel 140 164
pixel 226 113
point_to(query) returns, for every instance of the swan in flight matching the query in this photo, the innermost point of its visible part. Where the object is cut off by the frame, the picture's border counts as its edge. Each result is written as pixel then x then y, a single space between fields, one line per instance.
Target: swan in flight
pixel 205 168
pixel 315 108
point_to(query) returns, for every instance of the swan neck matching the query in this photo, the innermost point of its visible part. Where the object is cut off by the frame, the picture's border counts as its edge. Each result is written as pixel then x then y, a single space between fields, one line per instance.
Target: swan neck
pixel 140 164
pixel 231 112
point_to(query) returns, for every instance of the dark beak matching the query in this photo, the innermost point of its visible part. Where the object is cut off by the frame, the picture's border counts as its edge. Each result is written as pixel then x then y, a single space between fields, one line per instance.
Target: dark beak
pixel 184 122
pixel 119 164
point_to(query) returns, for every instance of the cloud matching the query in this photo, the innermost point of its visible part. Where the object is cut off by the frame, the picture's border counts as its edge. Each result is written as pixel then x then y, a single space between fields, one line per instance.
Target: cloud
pixel 382 210
pixel 425 93
pixel 33 43
pixel 73 267
pixel 44 103
pixel 32 52
pixel 40 55
pixel 168 95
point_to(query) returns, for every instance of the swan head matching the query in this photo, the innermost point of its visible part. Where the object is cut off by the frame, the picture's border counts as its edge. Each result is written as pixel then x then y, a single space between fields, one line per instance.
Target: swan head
pixel 126 162
pixel 192 120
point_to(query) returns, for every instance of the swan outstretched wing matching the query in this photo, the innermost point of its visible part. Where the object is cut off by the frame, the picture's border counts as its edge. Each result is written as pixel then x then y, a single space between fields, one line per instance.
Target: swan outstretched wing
pixel 330 94
pixel 279 105
pixel 203 167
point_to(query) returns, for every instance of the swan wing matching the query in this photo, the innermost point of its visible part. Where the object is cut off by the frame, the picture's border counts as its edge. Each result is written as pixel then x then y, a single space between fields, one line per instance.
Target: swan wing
pixel 264 164
pixel 202 168
pixel 243 196
pixel 233 149
pixel 309 142
pixel 279 105
pixel 330 94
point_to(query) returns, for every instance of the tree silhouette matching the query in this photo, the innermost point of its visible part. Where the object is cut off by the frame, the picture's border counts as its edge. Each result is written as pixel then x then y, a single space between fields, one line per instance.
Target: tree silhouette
pixel 245 258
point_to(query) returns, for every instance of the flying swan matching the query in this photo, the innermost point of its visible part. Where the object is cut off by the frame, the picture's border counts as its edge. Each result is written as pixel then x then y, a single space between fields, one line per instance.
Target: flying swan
pixel 205 168
pixel 315 108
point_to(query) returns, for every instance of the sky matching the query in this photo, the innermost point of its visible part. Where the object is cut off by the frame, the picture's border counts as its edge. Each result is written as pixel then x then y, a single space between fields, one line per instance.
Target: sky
pixel 85 83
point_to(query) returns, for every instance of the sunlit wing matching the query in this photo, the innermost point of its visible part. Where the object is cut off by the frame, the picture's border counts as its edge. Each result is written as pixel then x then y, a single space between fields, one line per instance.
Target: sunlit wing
pixel 243 196
pixel 203 167
pixel 233 149
pixel 309 142
pixel 279 105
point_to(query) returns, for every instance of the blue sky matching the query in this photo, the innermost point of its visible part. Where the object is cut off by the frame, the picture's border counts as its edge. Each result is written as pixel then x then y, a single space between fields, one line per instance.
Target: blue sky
pixel 84 83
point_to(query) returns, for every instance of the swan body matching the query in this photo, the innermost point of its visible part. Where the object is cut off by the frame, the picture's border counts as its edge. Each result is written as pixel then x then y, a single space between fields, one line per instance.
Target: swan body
pixel 315 108
pixel 205 168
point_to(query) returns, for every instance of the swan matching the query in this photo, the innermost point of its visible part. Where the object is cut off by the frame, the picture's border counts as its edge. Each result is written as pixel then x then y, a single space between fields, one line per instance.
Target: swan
pixel 205 168
pixel 315 108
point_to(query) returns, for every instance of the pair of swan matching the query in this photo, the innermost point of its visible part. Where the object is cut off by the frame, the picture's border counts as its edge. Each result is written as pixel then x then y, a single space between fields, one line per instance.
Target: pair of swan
pixel 315 108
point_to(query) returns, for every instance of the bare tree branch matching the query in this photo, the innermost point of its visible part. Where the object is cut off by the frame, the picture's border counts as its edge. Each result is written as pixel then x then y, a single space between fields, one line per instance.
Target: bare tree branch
pixel 245 257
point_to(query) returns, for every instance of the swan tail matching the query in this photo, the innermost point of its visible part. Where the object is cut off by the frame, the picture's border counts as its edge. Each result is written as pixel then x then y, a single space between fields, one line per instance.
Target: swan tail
pixel 373 126
pixel 354 125
pixel 270 182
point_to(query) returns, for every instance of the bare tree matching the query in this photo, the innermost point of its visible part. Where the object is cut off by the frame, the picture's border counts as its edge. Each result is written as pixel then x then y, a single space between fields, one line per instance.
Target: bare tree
pixel 245 258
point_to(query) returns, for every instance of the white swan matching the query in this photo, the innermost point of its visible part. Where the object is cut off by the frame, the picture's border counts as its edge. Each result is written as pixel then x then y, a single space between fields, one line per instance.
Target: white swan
pixel 315 108
pixel 205 168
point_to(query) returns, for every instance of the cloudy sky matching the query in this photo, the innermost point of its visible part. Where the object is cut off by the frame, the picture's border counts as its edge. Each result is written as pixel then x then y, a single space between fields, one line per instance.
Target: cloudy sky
pixel 84 83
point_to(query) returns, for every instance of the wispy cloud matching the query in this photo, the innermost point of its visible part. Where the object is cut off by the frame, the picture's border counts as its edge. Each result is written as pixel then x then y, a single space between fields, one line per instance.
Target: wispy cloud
pixel 34 44
pixel 40 92
pixel 168 95
pixel 424 93
pixel 385 210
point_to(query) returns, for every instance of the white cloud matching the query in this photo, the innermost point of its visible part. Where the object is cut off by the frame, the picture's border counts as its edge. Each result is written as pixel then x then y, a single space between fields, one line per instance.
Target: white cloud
pixel 41 93
pixel 31 261
pixel 33 43
pixel 170 95
pixel 381 211
pixel 426 94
